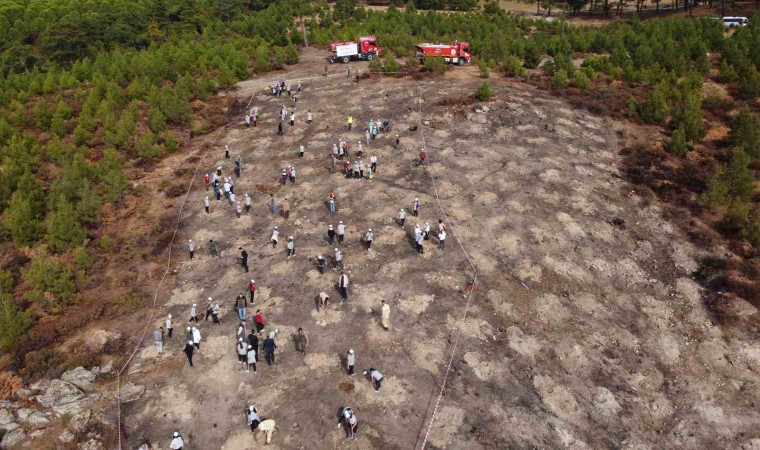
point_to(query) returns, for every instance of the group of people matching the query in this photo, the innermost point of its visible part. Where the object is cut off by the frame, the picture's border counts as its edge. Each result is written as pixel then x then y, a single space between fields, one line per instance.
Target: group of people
pixel 249 342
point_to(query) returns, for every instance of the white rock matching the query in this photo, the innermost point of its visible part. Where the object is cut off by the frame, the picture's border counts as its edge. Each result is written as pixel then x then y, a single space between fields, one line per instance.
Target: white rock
pixel 10 426
pixel 6 416
pixel 79 377
pixel 79 422
pixel 37 433
pixel 485 108
pixel 33 417
pixel 59 393
pixel 66 437
pixel 92 444
pixel 479 118
pixel 131 392
pixel 40 385
pixel 12 438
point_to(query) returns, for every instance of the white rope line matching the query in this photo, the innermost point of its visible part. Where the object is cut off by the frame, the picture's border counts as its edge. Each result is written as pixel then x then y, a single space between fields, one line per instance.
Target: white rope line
pixel 149 322
pixel 468 302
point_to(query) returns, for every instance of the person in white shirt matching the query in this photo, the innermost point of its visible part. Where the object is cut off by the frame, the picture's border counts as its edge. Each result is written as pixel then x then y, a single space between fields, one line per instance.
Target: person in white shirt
pixel 251 362
pixel 275 237
pixel 341 231
pixel 267 426
pixel 368 238
pixel 350 362
pixel 197 338
pixel 441 239
pixel 375 377
pixel 252 417
pixel 177 443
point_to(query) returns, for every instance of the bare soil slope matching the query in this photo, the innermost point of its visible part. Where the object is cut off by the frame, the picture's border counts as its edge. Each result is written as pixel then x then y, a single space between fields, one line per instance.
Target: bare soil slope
pixel 586 328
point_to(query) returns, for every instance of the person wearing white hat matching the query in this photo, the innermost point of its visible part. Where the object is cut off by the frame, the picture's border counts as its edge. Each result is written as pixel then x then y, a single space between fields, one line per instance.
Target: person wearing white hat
pixel 341 231
pixel 348 420
pixel 248 201
pixel 368 238
pixel 226 151
pixel 168 324
pixel 416 207
pixel 197 338
pixel 193 313
pixel 242 351
pixel 373 163
pixel 401 217
pixel 330 234
pixel 343 285
pixel 189 334
pixel 189 348
pixel 350 362
pixel 209 309
pixel 177 443
pixel 321 264
pixel 191 247
pixel 252 288
pixel 426 231
pixel 252 417
pixel 338 259
pixel 207 205
pixel 291 246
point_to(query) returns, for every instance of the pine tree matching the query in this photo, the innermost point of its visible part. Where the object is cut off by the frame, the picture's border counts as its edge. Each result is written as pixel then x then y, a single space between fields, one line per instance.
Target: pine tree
pixel 654 108
pixel 156 119
pixel 689 116
pixel 63 229
pixel 13 322
pixel 25 212
pixel 112 176
pixel 49 280
pixel 745 132
pixel 88 207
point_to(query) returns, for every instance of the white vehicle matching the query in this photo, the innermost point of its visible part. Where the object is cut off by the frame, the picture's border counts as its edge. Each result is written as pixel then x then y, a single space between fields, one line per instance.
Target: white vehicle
pixel 735 21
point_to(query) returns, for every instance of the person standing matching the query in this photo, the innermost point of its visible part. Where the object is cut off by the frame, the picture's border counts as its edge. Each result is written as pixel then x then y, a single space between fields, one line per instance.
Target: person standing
pixel 301 150
pixel 309 119
pixel 302 340
pixel 189 334
pixel 292 174
pixel 212 248
pixel 259 321
pixel 189 348
pixel 215 314
pixel 397 143
pixel 272 204
pixel 416 207
pixel 241 304
pixel 286 208
pixel 338 259
pixel 206 182
pixel 367 136
pixel 242 351
pixel 321 264
pixel 243 259
pixel 247 204
pixel 177 443
pixel 341 231
pixel 241 330
pixel 269 349
pixel 426 231
pixel 368 238
pixel 197 338
pixel 385 315
pixel 423 157
pixel 350 362
pixel 238 209
pixel 330 234
pixel 169 328
pixel 209 309
pixel 291 246
pixel 251 358
pixel 373 163
pixel 253 341
pixel 207 205
pixel 252 289
pixel 420 241
pixel 343 285
pixel 191 247
pixel 194 313
pixel 401 217
pixel 441 239
pixel 292 118
pixel 350 121
pixel 158 338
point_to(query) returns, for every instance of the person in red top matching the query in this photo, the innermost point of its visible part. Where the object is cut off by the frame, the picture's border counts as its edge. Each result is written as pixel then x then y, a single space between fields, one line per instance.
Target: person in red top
pixel 423 155
pixel 207 181
pixel 345 166
pixel 252 288
pixel 259 321
pixel 332 195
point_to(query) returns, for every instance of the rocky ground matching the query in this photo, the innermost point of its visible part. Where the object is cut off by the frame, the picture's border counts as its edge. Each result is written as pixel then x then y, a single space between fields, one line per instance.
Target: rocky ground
pixel 586 329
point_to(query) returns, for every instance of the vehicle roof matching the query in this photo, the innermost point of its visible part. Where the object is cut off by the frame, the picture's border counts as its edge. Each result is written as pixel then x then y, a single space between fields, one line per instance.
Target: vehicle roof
pixel 438 44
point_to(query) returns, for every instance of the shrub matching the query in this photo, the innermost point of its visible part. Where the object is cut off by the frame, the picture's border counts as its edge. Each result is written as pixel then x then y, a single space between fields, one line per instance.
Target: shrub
pixel 391 64
pixel 435 65
pixel 677 144
pixel 532 56
pixel 727 72
pixel 632 107
pixel 749 82
pixel 689 117
pixel 513 67
pixel 580 81
pixel 376 66
pixel 106 243
pixel 483 69
pixel 63 229
pixel 483 92
pixel 13 322
pixel 50 282
pixel 654 108
pixel 745 132
pixel 170 142
pixel 559 80
pixel 43 115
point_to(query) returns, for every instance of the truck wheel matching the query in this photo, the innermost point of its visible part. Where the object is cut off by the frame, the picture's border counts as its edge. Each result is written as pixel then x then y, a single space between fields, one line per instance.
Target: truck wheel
pixel 345 59
pixel 369 56
pixel 461 62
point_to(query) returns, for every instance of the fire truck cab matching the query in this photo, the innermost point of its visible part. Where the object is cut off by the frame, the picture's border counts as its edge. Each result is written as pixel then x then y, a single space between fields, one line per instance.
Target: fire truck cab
pixel 453 52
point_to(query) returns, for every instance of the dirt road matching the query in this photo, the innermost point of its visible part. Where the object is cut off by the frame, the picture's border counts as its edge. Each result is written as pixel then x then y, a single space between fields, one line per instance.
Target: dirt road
pixel 586 330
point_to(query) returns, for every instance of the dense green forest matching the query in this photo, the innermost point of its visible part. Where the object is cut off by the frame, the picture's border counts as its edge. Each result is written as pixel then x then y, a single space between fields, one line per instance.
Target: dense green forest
pixel 91 88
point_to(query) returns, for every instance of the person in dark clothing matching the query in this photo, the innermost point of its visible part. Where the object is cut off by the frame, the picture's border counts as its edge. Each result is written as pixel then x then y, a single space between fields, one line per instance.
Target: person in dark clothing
pixel 253 341
pixel 189 348
pixel 330 234
pixel 279 129
pixel 244 258
pixel 269 348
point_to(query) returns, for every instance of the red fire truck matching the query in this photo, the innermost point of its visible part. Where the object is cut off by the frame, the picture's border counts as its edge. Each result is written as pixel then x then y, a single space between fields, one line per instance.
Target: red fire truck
pixel 363 48
pixel 453 52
